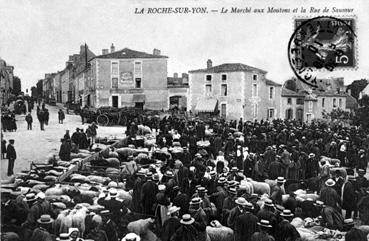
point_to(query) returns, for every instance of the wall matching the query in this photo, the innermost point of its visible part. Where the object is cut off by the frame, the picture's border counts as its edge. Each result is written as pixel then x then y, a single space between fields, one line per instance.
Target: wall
pixel 153 83
pixel 64 79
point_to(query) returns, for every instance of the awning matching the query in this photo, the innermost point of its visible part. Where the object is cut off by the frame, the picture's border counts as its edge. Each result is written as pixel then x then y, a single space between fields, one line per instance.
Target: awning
pixel 206 105
pixel 138 98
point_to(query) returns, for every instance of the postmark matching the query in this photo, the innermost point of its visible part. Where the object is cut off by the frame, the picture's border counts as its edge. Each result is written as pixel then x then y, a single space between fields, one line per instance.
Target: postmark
pixel 321 44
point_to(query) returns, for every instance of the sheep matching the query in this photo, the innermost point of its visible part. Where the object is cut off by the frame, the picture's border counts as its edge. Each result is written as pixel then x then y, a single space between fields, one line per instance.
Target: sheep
pixel 141 228
pixel 364 228
pixel 218 232
pixel 248 185
pixel 259 187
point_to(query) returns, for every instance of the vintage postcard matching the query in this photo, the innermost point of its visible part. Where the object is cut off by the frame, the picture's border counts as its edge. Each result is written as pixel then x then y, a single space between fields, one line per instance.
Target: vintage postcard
pixel 184 120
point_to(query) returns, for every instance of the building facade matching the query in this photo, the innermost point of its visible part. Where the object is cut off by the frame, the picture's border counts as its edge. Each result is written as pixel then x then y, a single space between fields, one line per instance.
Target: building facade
pixel 128 78
pixel 234 91
pixel 304 104
pixel 6 81
pixel 178 90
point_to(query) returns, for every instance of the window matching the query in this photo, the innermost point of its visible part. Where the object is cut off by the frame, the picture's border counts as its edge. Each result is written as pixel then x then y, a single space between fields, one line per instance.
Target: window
pixel 254 77
pixel 224 77
pixel 254 90
pixel 299 101
pixel 208 89
pixel 271 93
pixel 334 103
pixel 114 82
pixel 289 101
pixel 223 91
pixel 340 103
pixel 270 113
pixel 208 77
pixel 138 69
pixel 310 106
pixel 323 102
pixel 255 110
pixel 138 83
pixel 114 68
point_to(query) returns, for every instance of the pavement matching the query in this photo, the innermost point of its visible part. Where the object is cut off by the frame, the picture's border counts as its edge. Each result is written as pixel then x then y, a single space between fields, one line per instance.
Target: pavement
pixel 36 145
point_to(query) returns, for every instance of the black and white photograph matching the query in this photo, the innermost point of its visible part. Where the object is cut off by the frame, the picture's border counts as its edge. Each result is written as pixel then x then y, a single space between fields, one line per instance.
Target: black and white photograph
pixel 184 120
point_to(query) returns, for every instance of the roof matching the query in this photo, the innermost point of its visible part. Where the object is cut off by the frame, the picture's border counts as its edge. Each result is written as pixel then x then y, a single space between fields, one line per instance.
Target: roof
pixel 228 67
pixel 310 98
pixel 270 82
pixel 351 102
pixel 206 105
pixel 291 93
pixel 127 53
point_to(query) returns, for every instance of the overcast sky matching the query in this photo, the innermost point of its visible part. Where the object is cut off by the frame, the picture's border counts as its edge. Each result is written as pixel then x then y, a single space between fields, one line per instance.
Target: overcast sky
pixel 37 36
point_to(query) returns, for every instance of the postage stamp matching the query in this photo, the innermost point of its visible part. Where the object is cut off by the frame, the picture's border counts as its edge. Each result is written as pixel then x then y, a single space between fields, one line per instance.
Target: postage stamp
pixel 321 44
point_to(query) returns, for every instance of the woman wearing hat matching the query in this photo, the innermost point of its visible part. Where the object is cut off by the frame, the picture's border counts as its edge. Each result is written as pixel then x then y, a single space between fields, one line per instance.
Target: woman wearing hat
pixel 43 231
pixel 263 234
pixel 171 224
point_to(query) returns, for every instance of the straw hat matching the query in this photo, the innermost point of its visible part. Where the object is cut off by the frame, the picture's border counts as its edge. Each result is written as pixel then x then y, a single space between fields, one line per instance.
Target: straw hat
pixel 311 155
pixel 30 197
pixel 202 190
pixel 131 237
pixel 241 201
pixel 268 202
pixel 319 203
pixel 222 180
pixel 264 223
pixel 281 180
pixel 232 190
pixel 173 209
pixel 105 212
pixel 156 177
pixel 41 195
pixel 64 237
pixel 187 219
pixel 169 174
pixel 45 219
pixel 112 184
pixel 162 187
pixel 195 201
pixel 113 192
pixel 330 182
pixel 286 213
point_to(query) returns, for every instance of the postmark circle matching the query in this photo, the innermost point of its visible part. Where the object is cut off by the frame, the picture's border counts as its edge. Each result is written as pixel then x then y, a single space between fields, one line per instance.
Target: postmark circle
pixel 321 44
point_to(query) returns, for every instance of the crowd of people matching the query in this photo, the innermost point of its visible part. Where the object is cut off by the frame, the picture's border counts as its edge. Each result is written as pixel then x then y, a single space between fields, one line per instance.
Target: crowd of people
pixel 208 174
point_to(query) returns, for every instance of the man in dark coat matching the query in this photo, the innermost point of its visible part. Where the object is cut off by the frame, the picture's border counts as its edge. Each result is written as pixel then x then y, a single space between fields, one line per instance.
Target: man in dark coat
pixel 148 196
pixel 285 230
pixel 109 226
pixel 187 231
pixel 65 150
pixel 43 231
pixel 349 198
pixel 246 224
pixel 61 116
pixel 329 196
pixel 29 121
pixel 171 225
pixel 11 155
pixel 114 206
pixel 277 192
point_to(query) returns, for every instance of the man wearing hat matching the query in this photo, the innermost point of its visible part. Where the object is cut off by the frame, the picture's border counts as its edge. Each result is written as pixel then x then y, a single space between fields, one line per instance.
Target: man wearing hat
pixel 235 175
pixel 114 206
pixel 162 203
pixel 11 155
pixel 43 232
pixel 349 197
pixel 246 223
pixel 219 195
pixel 198 213
pixel 361 180
pixel 109 226
pixel 131 237
pixel 171 224
pixel 268 212
pixel 285 230
pixel 312 166
pixel 228 204
pixel 65 150
pixel 263 234
pixel 278 191
pixel 187 231
pixel 329 196
pixel 236 211
pixel 363 207
pixel 362 162
pixel 148 194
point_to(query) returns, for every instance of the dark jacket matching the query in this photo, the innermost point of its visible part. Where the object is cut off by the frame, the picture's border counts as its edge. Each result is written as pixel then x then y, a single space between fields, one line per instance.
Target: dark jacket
pixel 246 224
pixel 10 152
pixel 170 226
pixel 148 196
pixel 349 199
pixel 64 152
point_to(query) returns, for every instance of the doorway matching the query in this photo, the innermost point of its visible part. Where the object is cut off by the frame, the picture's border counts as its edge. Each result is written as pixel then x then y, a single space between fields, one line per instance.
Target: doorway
pixel 223 111
pixel 114 101
pixel 139 105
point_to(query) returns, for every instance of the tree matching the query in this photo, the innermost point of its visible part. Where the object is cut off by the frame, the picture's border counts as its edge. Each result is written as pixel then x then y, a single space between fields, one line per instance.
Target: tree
pixel 356 87
pixel 362 113
pixel 17 86
pixel 291 84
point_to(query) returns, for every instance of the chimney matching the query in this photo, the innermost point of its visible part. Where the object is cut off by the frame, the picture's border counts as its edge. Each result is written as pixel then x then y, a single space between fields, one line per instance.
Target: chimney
pixel 82 48
pixel 209 64
pixel 112 48
pixel 156 52
pixel 175 75
pixel 105 51
pixel 184 78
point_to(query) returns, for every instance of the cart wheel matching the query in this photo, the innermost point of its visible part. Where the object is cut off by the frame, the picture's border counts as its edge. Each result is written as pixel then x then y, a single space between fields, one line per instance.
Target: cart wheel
pixel 102 120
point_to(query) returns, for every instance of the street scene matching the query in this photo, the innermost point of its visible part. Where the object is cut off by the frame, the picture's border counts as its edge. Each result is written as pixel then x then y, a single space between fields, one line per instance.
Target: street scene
pixel 152 126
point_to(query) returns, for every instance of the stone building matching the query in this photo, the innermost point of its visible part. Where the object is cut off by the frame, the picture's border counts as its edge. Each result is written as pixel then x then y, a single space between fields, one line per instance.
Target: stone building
pixel 233 91
pixel 6 81
pixel 301 103
pixel 128 78
pixel 178 91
